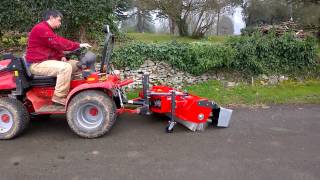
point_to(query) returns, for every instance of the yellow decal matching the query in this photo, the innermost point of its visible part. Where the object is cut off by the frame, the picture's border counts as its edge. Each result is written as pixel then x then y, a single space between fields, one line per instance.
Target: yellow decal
pixel 91 79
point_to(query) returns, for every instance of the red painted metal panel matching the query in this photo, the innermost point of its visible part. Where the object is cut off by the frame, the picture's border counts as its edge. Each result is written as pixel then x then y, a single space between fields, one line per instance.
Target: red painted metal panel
pixel 40 97
pixel 187 107
pixel 4 63
pixel 111 82
pixel 7 80
pixel 100 85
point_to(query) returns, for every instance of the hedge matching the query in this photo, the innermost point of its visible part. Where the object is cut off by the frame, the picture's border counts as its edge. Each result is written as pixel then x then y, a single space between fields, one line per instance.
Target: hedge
pixel 250 55
pixel 268 54
pixel 195 58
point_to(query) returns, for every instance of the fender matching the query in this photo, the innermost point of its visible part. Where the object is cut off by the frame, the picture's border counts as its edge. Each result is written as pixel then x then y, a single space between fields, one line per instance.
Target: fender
pixel 100 85
pixel 7 79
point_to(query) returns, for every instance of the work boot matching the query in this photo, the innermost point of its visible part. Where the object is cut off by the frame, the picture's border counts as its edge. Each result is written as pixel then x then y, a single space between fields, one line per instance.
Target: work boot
pixel 59 100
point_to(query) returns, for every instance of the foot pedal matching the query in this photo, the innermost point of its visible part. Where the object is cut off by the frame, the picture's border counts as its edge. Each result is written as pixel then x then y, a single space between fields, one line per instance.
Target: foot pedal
pixel 52 109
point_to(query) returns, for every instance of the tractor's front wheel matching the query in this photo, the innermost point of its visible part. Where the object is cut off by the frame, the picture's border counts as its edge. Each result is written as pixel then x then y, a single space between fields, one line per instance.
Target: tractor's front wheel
pixel 14 118
pixel 91 113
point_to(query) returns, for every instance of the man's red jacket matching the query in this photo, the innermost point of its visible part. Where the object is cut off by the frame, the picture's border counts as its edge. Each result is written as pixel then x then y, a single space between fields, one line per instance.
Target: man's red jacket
pixel 44 44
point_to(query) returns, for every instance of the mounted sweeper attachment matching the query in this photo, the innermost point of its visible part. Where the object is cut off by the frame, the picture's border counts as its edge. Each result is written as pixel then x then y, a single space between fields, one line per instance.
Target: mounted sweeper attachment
pixel 194 112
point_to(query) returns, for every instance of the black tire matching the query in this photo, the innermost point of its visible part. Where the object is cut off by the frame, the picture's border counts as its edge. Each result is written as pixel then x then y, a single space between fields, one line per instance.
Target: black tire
pixel 18 117
pixel 78 116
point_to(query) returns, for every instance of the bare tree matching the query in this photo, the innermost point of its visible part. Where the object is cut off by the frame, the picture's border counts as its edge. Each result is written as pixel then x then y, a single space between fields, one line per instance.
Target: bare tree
pixel 143 13
pixel 203 17
pixel 201 13
pixel 225 6
pixel 177 11
pixel 226 26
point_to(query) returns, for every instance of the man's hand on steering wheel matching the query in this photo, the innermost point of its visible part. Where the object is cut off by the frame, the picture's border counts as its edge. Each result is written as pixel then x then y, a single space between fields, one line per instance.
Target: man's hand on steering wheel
pixel 85 45
pixel 64 59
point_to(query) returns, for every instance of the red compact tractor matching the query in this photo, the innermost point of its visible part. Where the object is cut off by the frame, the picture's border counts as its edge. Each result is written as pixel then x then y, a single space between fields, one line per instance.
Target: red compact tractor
pixel 95 99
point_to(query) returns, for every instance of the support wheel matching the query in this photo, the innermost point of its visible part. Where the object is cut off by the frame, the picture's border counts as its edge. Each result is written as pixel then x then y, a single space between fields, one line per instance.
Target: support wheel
pixel 170 126
pixel 168 130
pixel 91 113
pixel 14 118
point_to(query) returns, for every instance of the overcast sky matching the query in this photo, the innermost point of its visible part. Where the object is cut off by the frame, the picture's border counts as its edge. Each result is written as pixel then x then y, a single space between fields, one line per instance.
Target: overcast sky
pixel 238 22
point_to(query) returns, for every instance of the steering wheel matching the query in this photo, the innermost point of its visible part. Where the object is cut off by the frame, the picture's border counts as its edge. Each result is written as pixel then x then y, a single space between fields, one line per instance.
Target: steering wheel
pixel 77 53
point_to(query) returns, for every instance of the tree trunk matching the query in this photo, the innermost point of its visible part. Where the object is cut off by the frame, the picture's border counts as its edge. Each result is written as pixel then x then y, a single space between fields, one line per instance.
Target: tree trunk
pixel 82 33
pixel 140 21
pixel 171 26
pixel 218 22
pixel 1 34
pixel 183 27
pixel 197 28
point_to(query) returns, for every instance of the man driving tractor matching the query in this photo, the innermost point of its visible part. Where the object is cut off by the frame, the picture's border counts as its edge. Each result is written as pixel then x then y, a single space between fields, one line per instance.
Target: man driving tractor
pixel 45 56
pixel 96 99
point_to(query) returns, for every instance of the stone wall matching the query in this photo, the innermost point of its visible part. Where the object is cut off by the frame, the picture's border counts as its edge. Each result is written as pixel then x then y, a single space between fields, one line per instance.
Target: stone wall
pixel 162 73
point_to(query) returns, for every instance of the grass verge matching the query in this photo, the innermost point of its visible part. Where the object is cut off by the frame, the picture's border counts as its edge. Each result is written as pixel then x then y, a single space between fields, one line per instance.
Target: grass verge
pixel 289 92
pixel 155 38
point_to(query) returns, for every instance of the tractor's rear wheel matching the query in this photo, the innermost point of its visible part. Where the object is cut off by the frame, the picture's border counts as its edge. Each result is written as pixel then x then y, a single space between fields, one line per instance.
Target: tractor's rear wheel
pixel 14 118
pixel 91 113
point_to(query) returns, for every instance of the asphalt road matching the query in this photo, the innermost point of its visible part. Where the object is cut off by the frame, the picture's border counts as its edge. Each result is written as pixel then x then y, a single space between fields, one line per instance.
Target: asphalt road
pixel 280 142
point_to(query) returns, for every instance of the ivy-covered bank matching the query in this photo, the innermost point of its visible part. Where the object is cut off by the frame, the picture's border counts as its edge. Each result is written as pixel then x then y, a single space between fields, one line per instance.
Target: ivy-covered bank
pixel 249 55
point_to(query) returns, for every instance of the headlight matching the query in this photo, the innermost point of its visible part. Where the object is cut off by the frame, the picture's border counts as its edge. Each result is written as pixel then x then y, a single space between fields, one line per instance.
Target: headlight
pixel 200 116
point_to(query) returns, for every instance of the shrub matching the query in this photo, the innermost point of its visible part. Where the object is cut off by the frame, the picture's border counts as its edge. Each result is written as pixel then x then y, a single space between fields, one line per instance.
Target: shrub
pixel 13 39
pixel 195 58
pixel 268 54
pixel 250 55
pixel 249 30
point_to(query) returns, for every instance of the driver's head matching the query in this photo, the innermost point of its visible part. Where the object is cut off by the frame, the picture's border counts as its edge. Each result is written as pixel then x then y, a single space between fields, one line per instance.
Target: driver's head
pixel 53 18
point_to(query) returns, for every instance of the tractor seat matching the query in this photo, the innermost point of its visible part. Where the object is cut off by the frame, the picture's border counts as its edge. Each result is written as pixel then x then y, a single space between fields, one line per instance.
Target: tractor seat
pixel 35 79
